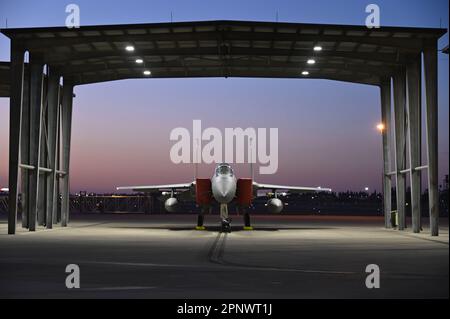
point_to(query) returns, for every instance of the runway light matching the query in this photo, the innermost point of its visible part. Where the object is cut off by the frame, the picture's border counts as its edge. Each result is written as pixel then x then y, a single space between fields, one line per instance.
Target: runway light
pixel 147 72
pixel 305 73
pixel 139 61
pixel 380 127
pixel 311 61
pixel 129 48
pixel 317 48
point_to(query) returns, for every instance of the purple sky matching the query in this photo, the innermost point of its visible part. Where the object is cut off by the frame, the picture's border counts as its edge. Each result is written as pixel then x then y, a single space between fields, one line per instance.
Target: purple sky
pixel 327 129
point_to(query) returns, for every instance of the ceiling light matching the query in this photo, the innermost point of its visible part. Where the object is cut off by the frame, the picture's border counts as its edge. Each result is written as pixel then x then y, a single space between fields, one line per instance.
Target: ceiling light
pixel 129 48
pixel 139 61
pixel 147 72
pixel 317 48
pixel 305 73
pixel 311 61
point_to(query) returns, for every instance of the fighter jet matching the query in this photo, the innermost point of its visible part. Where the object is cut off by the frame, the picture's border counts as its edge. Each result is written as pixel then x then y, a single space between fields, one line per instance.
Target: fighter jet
pixel 223 188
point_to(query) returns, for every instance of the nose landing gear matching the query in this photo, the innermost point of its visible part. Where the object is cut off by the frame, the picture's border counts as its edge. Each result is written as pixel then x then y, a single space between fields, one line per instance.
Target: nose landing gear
pixel 225 225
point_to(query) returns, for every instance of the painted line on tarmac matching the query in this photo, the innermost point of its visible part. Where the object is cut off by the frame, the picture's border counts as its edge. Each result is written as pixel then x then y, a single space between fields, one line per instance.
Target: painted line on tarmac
pixel 225 265
pixel 217 250
pixel 119 288
pixel 417 236
pixel 43 230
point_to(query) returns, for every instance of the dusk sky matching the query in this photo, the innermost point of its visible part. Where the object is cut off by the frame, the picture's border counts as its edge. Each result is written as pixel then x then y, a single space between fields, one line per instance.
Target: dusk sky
pixel 327 129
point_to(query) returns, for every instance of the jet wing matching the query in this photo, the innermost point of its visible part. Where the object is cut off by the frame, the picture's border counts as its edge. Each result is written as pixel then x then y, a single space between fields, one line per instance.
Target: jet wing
pixel 294 189
pixel 154 188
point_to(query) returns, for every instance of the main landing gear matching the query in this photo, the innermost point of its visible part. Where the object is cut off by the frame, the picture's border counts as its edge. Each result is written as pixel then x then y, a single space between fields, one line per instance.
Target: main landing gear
pixel 200 219
pixel 247 225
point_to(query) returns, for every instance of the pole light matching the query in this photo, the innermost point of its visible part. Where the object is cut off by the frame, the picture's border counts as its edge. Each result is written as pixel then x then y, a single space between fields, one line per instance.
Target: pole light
pixel 380 127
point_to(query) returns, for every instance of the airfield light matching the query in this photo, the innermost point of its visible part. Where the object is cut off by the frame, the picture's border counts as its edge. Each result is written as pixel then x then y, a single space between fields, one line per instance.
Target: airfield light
pixel 317 48
pixel 311 61
pixel 380 127
pixel 147 72
pixel 139 61
pixel 305 73
pixel 129 48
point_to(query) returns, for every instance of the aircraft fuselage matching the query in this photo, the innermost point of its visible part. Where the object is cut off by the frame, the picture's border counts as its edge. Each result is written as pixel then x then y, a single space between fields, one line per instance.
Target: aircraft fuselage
pixel 223 184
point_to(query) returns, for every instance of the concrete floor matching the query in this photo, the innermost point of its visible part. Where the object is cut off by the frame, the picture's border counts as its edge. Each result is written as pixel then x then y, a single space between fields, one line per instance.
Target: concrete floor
pixel 163 257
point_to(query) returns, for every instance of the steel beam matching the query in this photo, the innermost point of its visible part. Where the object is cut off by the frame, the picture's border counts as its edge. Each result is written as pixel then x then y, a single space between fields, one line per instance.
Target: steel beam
pixel 52 125
pixel 385 90
pixel 84 79
pixel 431 93
pixel 358 67
pixel 66 121
pixel 399 43
pixel 387 58
pixel 414 71
pixel 36 87
pixel 400 143
pixel 15 115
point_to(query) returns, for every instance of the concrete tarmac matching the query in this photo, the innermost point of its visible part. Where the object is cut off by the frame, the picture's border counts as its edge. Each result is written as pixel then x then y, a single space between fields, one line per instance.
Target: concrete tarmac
pixel 162 256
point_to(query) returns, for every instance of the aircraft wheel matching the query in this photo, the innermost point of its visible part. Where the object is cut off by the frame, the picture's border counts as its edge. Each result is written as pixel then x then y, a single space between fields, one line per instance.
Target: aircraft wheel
pixel 226 227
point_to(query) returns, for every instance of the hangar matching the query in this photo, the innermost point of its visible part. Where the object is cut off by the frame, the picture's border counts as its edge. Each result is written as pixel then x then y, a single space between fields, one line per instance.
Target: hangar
pixel 41 91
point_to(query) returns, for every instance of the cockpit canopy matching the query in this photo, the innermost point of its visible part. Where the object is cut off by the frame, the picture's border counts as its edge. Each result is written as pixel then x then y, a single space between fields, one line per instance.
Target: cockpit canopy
pixel 224 169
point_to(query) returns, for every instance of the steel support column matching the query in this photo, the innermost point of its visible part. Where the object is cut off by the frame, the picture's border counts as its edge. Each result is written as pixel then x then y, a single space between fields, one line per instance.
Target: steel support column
pixel 57 216
pixel 52 125
pixel 25 148
pixel 431 93
pixel 36 87
pixel 414 71
pixel 400 143
pixel 66 119
pixel 15 115
pixel 43 155
pixel 385 90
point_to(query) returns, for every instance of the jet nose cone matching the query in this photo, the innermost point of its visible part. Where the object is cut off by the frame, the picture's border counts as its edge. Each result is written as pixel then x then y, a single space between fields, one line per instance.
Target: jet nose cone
pixel 223 190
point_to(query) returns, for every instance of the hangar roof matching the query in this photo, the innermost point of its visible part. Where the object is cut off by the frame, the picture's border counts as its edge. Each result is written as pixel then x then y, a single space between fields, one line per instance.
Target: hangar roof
pixel 91 54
